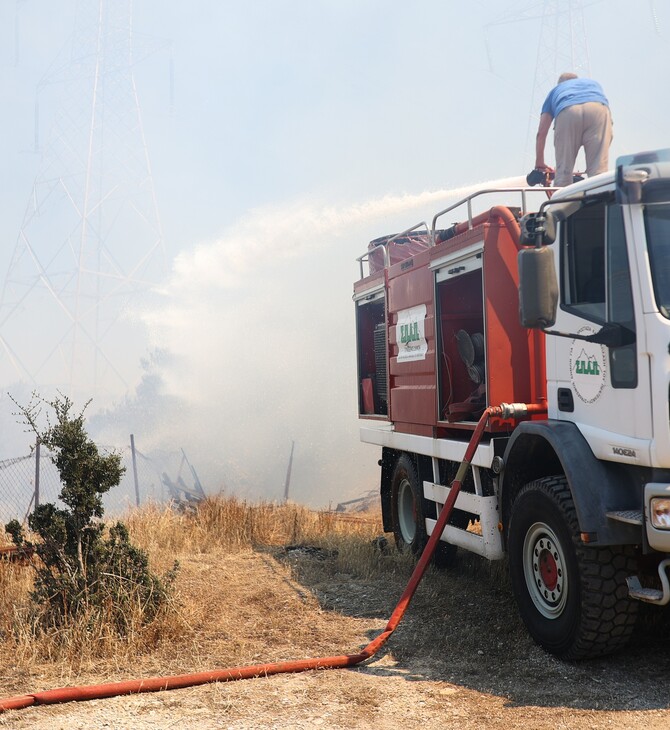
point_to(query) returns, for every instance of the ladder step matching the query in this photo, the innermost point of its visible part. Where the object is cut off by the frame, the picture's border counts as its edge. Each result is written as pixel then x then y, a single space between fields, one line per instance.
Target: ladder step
pixel 631 516
pixel 650 595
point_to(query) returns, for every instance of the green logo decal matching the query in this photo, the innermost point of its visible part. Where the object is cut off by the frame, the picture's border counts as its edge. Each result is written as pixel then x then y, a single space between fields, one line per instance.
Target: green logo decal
pixel 588 367
pixel 409 332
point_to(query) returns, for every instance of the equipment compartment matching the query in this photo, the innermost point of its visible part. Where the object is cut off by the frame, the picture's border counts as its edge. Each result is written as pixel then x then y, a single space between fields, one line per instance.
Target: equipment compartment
pixel 461 346
pixel 372 356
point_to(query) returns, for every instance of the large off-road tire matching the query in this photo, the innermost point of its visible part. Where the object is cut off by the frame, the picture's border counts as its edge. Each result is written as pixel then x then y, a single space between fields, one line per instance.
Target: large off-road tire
pixel 408 509
pixel 572 597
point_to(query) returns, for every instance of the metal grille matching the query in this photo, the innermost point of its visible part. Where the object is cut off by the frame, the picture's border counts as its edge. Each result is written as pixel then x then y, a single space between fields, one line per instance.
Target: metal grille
pixel 381 385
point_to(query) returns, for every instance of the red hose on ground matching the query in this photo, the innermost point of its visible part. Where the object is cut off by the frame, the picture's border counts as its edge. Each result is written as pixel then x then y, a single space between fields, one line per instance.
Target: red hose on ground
pixel 155 684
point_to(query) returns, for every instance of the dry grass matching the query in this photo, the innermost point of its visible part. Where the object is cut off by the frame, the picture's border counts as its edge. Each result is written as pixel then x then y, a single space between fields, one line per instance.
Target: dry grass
pixel 85 639
pixel 460 657
pixel 15 582
pixel 235 525
pixel 210 542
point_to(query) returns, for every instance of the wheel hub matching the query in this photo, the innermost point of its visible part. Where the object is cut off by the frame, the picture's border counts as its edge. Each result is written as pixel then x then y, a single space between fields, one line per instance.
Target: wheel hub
pixel 545 570
pixel 548 569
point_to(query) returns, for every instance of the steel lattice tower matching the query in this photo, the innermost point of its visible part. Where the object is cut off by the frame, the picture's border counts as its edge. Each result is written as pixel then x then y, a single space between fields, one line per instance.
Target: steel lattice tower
pixel 562 46
pixel 90 245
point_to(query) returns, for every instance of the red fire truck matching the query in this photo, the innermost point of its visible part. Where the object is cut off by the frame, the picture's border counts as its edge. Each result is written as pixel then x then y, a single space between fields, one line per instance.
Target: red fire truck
pixel 561 317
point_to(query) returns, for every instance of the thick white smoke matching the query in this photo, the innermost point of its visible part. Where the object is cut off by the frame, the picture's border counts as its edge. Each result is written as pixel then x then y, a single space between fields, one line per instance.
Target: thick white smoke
pixel 259 331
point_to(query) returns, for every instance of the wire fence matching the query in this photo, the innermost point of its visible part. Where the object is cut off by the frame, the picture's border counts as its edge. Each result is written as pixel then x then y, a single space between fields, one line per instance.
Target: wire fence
pixel 26 481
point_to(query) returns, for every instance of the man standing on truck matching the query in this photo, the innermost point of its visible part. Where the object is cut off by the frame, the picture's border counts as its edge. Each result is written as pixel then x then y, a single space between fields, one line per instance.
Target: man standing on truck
pixel 582 118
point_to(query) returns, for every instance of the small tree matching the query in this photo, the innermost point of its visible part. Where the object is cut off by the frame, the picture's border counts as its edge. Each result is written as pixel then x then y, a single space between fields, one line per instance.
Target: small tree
pixel 84 570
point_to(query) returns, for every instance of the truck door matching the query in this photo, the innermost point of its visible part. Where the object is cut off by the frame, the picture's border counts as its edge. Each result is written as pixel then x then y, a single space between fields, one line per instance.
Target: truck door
pixel 605 390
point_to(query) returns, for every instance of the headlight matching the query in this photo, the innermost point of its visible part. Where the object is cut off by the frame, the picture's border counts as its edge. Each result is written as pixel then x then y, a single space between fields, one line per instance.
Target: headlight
pixel 659 508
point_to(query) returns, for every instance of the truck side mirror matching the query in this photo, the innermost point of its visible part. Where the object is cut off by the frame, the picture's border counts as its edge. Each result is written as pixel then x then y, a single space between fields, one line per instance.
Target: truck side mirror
pixel 537 225
pixel 538 288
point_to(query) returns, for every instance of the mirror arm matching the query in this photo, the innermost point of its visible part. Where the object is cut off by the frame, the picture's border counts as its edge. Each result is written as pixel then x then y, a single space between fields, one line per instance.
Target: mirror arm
pixel 569 335
pixel 610 335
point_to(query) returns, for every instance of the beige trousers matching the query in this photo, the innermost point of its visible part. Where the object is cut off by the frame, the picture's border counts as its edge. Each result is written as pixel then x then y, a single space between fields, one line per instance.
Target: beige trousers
pixel 582 125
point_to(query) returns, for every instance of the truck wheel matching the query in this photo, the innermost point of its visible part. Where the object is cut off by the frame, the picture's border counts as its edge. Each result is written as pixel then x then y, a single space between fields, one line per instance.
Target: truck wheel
pixel 573 598
pixel 409 525
pixel 409 509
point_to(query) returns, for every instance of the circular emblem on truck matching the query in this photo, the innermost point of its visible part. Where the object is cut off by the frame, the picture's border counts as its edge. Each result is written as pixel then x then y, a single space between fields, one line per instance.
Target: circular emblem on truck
pixel 588 366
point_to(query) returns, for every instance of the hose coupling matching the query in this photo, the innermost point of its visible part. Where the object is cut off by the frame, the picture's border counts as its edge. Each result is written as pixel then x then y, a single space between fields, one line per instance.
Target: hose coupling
pixel 514 410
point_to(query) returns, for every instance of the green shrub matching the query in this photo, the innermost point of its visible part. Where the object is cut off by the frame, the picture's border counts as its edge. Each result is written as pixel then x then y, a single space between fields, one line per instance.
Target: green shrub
pixel 84 569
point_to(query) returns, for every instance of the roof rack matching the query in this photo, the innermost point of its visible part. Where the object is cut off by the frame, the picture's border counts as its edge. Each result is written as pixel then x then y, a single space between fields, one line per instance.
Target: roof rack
pixel 430 230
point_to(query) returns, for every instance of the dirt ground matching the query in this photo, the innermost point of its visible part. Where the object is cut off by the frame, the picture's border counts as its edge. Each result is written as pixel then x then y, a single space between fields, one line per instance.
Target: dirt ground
pixel 461 658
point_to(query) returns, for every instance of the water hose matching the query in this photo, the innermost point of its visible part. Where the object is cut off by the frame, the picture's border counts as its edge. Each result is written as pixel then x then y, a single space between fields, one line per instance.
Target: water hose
pixel 506 216
pixel 501 212
pixel 156 684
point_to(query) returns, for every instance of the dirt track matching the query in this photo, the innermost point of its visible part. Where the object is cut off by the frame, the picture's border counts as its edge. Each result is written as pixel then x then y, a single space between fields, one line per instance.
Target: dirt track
pixel 461 658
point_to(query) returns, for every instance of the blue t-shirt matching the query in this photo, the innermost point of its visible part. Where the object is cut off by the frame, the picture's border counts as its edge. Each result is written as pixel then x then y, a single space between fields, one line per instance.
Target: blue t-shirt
pixel 571 92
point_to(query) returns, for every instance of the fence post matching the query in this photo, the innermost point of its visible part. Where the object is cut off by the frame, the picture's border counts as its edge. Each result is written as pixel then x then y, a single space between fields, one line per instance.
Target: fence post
pixel 137 484
pixel 37 472
pixel 287 483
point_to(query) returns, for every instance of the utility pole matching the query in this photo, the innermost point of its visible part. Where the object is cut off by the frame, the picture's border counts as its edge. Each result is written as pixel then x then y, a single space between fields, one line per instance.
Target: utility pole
pixel 37 472
pixel 137 483
pixel 287 483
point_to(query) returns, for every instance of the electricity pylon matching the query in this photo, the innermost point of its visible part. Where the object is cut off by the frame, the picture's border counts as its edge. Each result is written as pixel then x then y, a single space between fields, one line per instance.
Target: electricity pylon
pixel 90 244
pixel 561 46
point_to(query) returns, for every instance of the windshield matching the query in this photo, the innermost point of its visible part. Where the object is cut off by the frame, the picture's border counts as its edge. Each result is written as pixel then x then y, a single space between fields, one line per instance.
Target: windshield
pixel 657 225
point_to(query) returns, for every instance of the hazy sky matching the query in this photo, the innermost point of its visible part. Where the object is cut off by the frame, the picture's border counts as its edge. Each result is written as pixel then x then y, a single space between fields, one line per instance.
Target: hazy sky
pixel 289 134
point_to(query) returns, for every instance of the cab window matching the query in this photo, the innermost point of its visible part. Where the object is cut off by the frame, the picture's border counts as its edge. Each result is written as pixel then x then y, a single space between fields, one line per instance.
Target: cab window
pixel 595 281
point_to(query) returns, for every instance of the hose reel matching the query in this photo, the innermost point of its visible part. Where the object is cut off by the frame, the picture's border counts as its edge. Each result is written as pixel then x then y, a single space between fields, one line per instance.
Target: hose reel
pixel 471 351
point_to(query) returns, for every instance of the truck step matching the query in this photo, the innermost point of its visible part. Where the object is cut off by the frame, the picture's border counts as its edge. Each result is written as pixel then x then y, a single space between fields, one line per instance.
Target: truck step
pixel 651 595
pixel 631 516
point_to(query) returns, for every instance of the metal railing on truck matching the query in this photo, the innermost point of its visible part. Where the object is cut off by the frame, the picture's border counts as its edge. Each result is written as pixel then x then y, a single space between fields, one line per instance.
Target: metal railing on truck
pixel 430 230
